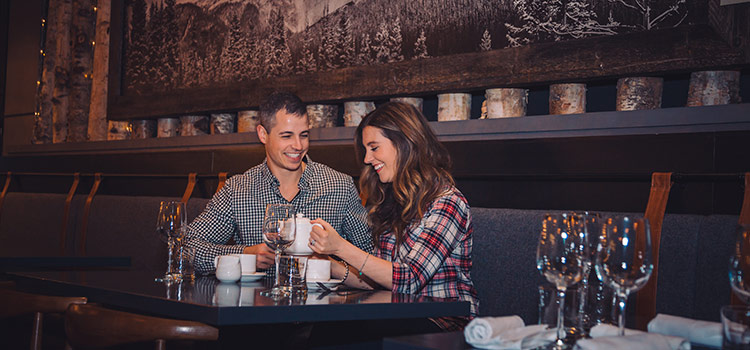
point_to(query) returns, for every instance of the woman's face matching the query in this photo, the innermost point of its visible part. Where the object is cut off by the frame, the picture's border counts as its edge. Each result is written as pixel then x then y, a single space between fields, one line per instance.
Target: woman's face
pixel 380 153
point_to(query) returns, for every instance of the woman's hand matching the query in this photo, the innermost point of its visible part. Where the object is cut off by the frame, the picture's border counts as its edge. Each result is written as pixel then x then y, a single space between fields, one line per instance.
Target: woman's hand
pixel 325 240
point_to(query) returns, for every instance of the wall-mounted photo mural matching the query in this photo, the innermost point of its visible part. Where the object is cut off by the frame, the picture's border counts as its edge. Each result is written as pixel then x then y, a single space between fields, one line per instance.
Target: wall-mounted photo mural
pixel 185 44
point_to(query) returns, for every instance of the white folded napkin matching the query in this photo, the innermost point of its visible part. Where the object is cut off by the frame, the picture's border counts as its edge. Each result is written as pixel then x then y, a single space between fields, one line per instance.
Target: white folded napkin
pixel 506 332
pixel 604 336
pixel 643 341
pixel 698 332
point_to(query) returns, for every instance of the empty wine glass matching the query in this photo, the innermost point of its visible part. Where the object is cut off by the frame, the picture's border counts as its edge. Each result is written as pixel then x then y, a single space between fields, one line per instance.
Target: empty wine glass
pixel 278 233
pixel 624 261
pixel 739 264
pixel 592 227
pixel 170 227
pixel 560 259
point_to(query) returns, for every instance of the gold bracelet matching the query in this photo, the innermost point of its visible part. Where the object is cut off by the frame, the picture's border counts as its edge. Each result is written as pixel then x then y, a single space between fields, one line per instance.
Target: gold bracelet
pixel 363 264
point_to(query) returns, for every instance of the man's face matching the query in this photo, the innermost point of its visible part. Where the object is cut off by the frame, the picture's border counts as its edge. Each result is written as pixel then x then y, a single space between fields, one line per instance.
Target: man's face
pixel 287 142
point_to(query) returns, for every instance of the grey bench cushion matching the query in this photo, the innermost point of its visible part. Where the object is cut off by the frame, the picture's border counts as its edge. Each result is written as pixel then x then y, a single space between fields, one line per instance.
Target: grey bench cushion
pixel 30 225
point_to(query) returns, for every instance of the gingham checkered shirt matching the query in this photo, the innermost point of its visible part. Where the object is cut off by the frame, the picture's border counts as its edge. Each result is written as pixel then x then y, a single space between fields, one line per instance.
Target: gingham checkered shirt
pixel 435 258
pixel 236 211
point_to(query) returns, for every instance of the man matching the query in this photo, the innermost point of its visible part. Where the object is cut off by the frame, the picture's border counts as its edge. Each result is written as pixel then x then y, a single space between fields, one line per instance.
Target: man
pixel 288 176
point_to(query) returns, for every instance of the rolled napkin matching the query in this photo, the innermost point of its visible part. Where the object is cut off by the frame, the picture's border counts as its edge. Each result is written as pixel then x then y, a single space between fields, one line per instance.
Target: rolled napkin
pixel 605 336
pixel 698 332
pixel 642 341
pixel 506 332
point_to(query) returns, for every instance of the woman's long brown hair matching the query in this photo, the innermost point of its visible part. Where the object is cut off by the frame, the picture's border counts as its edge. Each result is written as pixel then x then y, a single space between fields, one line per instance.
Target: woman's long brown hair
pixel 422 173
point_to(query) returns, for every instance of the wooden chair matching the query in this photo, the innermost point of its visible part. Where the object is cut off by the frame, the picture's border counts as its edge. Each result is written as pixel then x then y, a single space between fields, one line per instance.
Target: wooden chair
pixel 15 303
pixel 89 326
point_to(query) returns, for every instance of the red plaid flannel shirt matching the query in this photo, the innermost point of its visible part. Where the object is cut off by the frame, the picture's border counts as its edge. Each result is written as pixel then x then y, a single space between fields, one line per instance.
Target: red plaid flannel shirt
pixel 435 258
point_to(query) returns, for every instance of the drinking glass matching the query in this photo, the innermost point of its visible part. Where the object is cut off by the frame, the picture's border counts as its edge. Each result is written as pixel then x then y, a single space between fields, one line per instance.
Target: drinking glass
pixel 592 227
pixel 170 226
pixel 278 233
pixel 739 264
pixel 560 259
pixel 624 261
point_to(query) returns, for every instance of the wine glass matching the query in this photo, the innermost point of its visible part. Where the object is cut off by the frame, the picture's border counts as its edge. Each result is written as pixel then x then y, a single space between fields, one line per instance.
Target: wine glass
pixel 170 227
pixel 739 264
pixel 278 233
pixel 560 259
pixel 592 227
pixel 624 261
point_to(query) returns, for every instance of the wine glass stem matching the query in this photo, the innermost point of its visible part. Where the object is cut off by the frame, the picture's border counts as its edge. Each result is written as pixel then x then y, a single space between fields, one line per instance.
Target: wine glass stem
pixel 170 253
pixel 621 299
pixel 560 314
pixel 277 259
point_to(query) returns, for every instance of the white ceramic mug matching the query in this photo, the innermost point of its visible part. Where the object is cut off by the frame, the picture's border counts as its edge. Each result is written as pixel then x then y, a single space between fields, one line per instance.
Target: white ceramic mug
pixel 318 270
pixel 228 268
pixel 302 239
pixel 247 261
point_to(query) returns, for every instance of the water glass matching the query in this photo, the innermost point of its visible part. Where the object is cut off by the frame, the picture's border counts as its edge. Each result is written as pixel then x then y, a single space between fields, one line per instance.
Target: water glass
pixel 292 275
pixel 739 264
pixel 186 261
pixel 735 324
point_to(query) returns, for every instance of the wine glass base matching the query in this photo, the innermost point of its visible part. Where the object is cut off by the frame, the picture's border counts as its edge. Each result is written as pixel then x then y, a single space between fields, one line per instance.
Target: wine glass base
pixel 275 293
pixel 169 278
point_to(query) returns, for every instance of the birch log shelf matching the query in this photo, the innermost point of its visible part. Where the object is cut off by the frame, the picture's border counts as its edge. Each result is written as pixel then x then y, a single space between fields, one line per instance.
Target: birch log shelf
pixel 455 106
pixel 118 130
pixel 143 129
pixel 567 98
pixel 247 121
pixel 637 93
pixel 708 88
pixel 354 111
pixel 193 125
pixel 222 123
pixel 168 127
pixel 417 102
pixel 322 116
pixel 506 102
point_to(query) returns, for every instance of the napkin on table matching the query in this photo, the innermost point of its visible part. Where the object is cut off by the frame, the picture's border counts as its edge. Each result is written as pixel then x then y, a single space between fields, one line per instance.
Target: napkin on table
pixel 506 332
pixel 699 332
pixel 605 336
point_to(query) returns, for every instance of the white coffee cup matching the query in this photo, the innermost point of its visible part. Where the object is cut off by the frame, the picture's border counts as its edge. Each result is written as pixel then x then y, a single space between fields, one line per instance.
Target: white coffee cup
pixel 318 270
pixel 248 263
pixel 228 268
pixel 302 237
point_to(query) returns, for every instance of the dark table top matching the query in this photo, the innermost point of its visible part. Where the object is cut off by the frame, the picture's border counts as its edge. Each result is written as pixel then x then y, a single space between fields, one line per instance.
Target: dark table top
pixel 209 301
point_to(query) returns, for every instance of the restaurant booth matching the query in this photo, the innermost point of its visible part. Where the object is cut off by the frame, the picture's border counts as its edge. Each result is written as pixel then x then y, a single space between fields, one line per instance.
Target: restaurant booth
pixel 111 107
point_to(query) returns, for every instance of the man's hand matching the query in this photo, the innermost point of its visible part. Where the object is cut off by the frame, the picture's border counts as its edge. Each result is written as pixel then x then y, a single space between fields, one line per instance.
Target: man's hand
pixel 265 256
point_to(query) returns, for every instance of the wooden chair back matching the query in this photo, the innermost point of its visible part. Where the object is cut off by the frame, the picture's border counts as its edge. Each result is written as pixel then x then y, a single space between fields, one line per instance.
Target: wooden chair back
pixel 90 326
pixel 15 303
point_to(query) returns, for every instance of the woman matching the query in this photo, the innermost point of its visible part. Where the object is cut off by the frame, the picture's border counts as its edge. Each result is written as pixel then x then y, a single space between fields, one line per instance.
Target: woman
pixel 421 224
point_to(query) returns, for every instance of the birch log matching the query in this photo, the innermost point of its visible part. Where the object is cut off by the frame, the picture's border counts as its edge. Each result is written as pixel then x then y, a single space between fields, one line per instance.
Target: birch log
pixel 58 34
pixel 567 98
pixel 637 93
pixel 247 121
pixel 167 127
pixel 142 129
pixel 97 129
pixel 506 102
pixel 322 116
pixel 193 125
pixel 454 107
pixel 43 122
pixel 710 88
pixel 354 111
pixel 118 130
pixel 414 101
pixel 82 33
pixel 222 123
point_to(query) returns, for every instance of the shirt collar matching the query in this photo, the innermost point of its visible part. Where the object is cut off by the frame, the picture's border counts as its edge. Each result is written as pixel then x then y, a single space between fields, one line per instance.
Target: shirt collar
pixel 304 181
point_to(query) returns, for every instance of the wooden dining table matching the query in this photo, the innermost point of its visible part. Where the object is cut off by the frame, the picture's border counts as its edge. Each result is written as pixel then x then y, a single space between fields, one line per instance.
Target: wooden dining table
pixel 231 304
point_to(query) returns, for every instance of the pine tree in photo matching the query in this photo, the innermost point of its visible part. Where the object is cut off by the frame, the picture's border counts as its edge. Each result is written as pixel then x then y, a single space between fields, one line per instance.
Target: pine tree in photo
pixel 420 47
pixel 394 43
pixel 380 44
pixel 364 57
pixel 171 44
pixel 233 53
pixel 581 21
pixel 486 43
pixel 136 46
pixel 155 56
pixel 306 63
pixel 329 51
pixel 348 54
pixel 278 57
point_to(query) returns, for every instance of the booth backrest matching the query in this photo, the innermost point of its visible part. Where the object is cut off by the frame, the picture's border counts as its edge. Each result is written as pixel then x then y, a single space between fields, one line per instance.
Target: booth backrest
pixel 31 225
